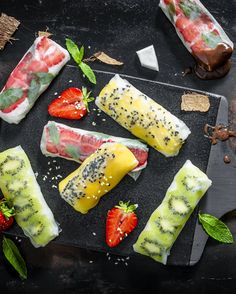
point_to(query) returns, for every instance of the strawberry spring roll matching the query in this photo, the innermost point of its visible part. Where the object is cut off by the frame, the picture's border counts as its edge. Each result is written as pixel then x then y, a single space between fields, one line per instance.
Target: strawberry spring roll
pixel 59 140
pixel 30 78
pixel 202 35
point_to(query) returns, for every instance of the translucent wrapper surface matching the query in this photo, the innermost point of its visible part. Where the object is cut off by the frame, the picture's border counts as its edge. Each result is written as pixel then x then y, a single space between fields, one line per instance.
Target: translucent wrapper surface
pixel 97 175
pixel 19 186
pixel 142 116
pixel 59 140
pixel 167 221
pixel 30 78
pixel 199 31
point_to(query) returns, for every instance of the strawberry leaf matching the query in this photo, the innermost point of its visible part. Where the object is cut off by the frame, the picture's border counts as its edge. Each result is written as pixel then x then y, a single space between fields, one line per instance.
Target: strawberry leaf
pixel 7 212
pixel 86 98
pixel 88 72
pixel 14 257
pixel 9 97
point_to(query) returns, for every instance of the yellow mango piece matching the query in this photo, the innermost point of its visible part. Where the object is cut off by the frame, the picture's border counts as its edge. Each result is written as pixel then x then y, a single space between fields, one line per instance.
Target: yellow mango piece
pixel 142 116
pixel 96 176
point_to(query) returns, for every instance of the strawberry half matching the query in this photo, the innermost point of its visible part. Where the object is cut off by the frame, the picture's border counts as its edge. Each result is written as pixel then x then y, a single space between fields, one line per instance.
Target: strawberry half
pixel 71 104
pixel 6 216
pixel 121 221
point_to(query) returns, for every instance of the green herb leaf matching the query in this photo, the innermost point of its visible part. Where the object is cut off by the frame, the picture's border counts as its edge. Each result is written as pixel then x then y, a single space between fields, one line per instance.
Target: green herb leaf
pixel 171 10
pixel 86 97
pixel 72 151
pixel 88 72
pixel 9 97
pixel 14 257
pixel 74 51
pixel 215 228
pixel 190 9
pixel 54 133
pixel 44 77
pixel 81 53
pixel 33 92
pixel 211 39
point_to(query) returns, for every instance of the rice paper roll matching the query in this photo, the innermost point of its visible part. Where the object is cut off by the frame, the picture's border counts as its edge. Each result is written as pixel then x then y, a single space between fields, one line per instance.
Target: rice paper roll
pixel 199 31
pixel 60 140
pixel 142 116
pixel 168 220
pixel 30 78
pixel 96 176
pixel 20 188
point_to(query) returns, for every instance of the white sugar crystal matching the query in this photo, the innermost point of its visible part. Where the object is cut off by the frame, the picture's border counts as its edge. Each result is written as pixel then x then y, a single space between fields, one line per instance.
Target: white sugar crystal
pixel 148 58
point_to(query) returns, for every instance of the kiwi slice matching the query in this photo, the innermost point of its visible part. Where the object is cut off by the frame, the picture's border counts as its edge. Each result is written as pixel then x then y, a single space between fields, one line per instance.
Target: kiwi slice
pixel 179 205
pixel 11 165
pixel 190 183
pixel 152 247
pixel 165 225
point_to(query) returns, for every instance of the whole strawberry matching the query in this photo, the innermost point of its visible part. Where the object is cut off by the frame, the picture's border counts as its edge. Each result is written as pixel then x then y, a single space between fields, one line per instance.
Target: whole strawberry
pixel 6 216
pixel 121 220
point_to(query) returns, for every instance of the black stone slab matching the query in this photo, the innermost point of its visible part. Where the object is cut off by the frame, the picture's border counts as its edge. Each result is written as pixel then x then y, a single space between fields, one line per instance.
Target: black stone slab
pixel 88 231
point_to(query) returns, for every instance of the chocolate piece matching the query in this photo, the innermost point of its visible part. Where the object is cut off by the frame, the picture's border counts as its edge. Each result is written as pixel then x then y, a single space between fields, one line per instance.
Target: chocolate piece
pixel 227 159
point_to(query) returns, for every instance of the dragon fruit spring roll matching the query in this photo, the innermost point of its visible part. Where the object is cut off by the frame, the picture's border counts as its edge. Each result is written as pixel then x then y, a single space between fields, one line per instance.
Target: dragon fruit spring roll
pixel 202 35
pixel 59 140
pixel 30 78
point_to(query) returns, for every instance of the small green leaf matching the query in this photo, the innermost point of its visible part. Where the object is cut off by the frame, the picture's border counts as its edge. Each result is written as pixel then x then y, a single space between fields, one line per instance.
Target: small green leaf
pixel 33 92
pixel 72 151
pixel 86 97
pixel 9 97
pixel 54 133
pixel 88 72
pixel 14 257
pixel 81 53
pixel 4 208
pixel 171 10
pixel 215 228
pixel 44 77
pixel 74 50
pixel 211 39
pixel 190 8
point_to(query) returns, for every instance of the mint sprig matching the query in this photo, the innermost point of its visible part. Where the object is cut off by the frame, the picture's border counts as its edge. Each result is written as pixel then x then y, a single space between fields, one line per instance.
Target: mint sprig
pixel 215 228
pixel 78 54
pixel 14 257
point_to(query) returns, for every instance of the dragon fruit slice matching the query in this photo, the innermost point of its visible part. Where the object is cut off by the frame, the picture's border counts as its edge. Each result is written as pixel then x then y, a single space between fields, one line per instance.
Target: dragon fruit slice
pixel 30 78
pixel 142 116
pixel 59 140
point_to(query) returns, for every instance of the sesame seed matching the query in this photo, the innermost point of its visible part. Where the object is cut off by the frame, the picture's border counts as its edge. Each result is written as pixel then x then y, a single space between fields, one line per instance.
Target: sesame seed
pixel 70 81
pixel 93 123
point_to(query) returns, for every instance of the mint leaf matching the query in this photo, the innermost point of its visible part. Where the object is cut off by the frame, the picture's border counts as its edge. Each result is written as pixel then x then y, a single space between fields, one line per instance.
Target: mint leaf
pixel 72 151
pixel 9 97
pixel 74 51
pixel 14 257
pixel 211 39
pixel 215 228
pixel 54 133
pixel 190 8
pixel 88 72
pixel 171 10
pixel 81 53
pixel 44 77
pixel 33 91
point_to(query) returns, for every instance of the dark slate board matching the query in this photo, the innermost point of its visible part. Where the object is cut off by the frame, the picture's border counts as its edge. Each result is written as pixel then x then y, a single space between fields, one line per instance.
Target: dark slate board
pixel 88 231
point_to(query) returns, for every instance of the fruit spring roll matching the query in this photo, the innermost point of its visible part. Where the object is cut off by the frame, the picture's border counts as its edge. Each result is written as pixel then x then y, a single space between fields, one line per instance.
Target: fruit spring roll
pixel 142 116
pixel 20 188
pixel 59 140
pixel 167 221
pixel 200 33
pixel 96 176
pixel 30 78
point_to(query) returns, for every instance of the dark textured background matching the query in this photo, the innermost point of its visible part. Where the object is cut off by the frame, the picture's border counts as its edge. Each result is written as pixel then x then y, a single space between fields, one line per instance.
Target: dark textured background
pixel 119 28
